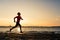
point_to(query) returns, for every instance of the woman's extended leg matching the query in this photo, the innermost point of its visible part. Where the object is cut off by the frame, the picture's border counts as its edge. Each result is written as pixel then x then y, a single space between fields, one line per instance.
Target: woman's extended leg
pixel 13 27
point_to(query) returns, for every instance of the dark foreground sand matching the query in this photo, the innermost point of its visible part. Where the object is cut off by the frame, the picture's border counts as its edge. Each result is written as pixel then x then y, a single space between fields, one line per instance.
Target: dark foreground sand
pixel 29 36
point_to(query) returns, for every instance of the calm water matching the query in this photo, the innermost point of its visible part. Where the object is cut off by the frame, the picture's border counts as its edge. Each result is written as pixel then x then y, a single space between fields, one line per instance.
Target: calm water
pixel 30 29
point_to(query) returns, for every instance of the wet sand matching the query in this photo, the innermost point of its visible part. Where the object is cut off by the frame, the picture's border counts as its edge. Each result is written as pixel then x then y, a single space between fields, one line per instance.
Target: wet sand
pixel 33 35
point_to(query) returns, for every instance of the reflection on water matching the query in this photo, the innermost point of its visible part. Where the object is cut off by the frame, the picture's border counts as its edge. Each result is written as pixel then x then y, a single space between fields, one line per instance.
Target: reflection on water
pixel 30 29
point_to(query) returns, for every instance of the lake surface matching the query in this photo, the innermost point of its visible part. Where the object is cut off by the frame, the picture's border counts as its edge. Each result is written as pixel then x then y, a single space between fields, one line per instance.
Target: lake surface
pixel 39 29
pixel 30 33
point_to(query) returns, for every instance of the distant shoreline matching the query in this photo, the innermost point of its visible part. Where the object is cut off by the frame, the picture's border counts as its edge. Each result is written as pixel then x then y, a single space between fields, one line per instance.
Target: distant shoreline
pixel 32 26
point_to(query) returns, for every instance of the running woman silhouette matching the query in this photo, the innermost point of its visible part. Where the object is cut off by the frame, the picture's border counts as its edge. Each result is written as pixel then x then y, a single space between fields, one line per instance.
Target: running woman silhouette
pixel 18 22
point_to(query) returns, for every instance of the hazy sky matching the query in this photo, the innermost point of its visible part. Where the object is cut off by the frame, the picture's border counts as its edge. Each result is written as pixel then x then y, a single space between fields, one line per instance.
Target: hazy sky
pixel 34 12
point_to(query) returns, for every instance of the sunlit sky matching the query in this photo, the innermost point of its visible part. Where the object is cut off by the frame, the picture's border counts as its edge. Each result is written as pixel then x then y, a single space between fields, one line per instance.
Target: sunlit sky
pixel 34 12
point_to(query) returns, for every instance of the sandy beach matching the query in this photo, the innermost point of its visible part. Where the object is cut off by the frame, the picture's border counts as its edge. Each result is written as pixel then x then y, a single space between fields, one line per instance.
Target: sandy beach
pixel 29 36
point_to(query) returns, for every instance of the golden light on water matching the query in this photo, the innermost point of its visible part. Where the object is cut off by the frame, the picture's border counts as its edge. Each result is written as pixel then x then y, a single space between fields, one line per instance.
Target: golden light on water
pixel 18 29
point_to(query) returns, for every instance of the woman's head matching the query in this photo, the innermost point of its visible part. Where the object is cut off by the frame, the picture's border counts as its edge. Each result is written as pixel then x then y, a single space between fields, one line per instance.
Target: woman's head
pixel 18 13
